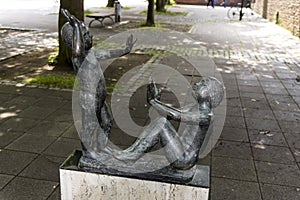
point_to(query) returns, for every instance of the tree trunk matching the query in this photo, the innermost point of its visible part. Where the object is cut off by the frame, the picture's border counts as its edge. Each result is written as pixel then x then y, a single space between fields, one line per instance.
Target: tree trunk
pixel 110 3
pixel 160 5
pixel 75 7
pixel 150 13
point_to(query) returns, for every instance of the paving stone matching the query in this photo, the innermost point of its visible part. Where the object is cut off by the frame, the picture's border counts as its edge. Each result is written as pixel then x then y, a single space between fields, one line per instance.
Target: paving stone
pixel 49 128
pixel 279 192
pixel 272 84
pixel 287 116
pixel 275 173
pixel 231 93
pixel 24 188
pixel 6 97
pixel 61 116
pixel 293 138
pixel 17 124
pixel 7 137
pixel 258 113
pixel 55 195
pixel 272 154
pixel 278 99
pixel 50 102
pixel 4 179
pixel 21 100
pixel 290 127
pixel 31 143
pixel 63 147
pixel 228 189
pixel 284 106
pixel 71 132
pixel 271 138
pixel 239 169
pixel 13 162
pixel 262 124
pixel 252 95
pixel 296 153
pixel 248 82
pixel 234 101
pixel 234 111
pixel 234 134
pixel 279 91
pixel 39 92
pixel 232 149
pixel 234 122
pixel 294 92
pixel 11 89
pixel 44 168
pixel 250 89
pixel 255 103
pixel 35 112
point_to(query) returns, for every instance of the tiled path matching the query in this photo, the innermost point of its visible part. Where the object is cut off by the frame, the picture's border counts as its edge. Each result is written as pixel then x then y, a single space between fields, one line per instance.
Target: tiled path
pixel 257 156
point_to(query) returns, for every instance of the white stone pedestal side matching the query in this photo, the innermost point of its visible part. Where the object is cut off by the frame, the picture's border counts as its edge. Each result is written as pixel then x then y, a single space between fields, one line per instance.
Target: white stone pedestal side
pixel 80 185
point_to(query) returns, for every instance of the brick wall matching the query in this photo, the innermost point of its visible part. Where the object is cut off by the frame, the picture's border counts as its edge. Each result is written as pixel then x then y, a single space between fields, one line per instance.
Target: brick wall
pixel 288 13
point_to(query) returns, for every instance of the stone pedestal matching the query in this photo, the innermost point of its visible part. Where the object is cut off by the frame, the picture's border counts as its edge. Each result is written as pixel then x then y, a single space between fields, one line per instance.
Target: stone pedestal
pixel 78 184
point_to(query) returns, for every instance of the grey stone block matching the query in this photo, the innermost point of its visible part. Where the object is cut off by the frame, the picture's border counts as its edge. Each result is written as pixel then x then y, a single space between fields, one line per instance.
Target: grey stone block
pixel 259 113
pixel 8 137
pixel 262 138
pixel 4 179
pixel 234 122
pixel 228 189
pixel 234 134
pixel 71 132
pixel 50 128
pixel 273 154
pixel 232 149
pixel 31 143
pixel 27 189
pixel 18 124
pixel 290 127
pixel 275 173
pixel 35 112
pixel 233 168
pixel 63 147
pixel 13 162
pixel 44 168
pixel 262 124
pixel 61 116
pixel 279 192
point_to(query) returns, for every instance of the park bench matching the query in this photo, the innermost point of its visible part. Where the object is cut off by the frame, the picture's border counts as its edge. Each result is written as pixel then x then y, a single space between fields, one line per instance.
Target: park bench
pixel 100 17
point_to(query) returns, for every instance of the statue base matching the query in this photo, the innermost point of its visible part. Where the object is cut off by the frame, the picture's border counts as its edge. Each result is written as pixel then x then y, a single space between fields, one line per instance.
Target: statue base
pixel 83 178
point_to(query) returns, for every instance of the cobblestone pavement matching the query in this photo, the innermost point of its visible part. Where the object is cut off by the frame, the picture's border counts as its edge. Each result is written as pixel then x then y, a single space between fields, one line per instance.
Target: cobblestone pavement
pixel 258 153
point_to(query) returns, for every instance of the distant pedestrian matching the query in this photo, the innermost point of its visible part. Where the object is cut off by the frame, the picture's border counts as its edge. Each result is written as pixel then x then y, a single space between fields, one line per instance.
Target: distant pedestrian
pixel 212 3
pixel 223 3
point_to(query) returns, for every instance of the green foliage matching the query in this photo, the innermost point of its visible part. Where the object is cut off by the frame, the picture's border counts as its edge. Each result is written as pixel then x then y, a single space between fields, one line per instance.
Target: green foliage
pixel 53 81
pixel 53 58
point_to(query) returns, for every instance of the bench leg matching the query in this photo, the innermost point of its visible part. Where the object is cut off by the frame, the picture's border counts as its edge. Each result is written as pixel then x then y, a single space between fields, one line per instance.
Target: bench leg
pixel 99 20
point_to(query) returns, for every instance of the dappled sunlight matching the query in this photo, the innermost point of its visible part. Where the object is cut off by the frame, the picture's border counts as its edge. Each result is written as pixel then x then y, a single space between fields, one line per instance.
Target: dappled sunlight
pixel 7 115
pixel 260 146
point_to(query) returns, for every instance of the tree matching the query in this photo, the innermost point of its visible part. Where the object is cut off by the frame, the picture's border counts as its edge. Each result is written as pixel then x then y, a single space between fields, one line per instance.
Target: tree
pixel 160 5
pixel 110 3
pixel 75 7
pixel 150 13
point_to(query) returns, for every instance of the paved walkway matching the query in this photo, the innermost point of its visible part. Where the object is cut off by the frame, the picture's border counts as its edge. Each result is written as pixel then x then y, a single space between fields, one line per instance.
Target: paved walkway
pixel 258 154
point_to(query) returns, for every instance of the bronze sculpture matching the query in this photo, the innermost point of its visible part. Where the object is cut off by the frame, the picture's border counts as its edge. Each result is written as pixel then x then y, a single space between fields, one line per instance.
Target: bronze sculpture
pixel 181 151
